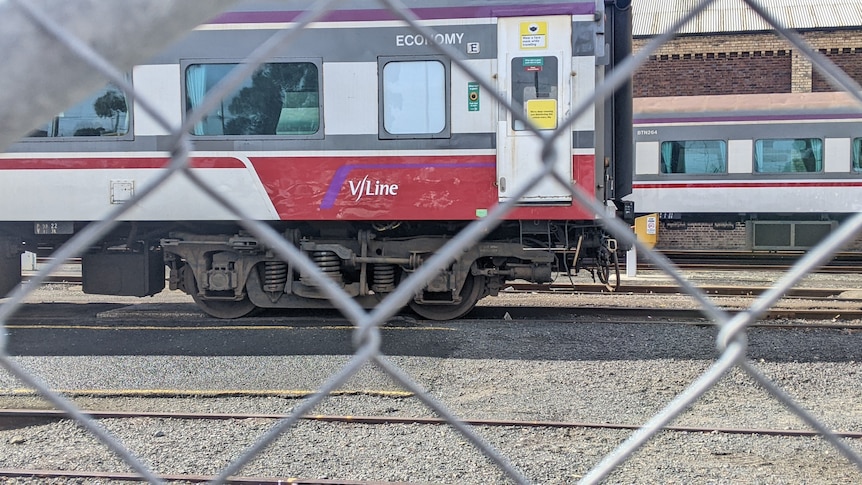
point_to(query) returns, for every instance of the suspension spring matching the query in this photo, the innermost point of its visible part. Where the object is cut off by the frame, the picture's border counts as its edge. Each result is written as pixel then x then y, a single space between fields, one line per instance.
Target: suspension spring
pixel 329 263
pixel 383 278
pixel 274 276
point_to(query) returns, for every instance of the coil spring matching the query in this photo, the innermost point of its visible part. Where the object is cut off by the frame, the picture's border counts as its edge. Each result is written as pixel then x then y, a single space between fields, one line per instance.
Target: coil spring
pixel 274 276
pixel 383 278
pixel 329 263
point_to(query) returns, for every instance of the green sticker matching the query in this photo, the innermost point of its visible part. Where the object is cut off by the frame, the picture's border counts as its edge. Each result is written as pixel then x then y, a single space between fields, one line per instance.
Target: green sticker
pixel 481 213
pixel 472 96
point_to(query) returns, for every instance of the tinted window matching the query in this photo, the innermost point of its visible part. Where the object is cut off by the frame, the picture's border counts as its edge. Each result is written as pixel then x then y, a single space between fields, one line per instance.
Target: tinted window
pixel 857 154
pixel 105 113
pixel 699 156
pixel 278 99
pixel 788 155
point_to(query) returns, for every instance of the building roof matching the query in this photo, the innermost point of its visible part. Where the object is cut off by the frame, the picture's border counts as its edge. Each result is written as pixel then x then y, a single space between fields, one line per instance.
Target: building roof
pixel 652 17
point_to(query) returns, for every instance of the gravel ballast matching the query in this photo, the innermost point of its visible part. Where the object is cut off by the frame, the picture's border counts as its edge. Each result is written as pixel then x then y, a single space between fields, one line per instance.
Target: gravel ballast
pixel 598 372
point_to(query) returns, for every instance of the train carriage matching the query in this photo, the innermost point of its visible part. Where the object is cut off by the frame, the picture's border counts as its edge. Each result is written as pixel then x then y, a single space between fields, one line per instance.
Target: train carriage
pixel 360 142
pixel 785 166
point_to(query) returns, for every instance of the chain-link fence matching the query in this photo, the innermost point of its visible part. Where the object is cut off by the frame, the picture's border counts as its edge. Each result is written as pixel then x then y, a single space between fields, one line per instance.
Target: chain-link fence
pixel 88 41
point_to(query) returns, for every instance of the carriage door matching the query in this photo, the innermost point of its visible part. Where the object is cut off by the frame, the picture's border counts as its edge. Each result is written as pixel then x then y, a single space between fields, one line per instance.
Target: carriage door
pixel 534 59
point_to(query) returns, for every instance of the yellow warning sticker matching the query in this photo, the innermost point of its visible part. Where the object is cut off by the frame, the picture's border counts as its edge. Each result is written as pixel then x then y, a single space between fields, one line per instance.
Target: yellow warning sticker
pixel 534 35
pixel 542 112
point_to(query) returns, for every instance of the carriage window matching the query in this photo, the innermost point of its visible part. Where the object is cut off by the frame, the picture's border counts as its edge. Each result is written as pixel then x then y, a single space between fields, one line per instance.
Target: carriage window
pixel 700 156
pixel 788 155
pixel 857 154
pixel 105 113
pixel 414 97
pixel 534 91
pixel 278 99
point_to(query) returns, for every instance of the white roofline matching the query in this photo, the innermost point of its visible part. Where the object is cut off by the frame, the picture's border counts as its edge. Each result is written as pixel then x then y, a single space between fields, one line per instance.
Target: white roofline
pixel 652 17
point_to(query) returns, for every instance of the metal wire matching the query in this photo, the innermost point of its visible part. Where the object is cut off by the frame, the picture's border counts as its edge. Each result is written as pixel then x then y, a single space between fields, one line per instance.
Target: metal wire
pixel 94 55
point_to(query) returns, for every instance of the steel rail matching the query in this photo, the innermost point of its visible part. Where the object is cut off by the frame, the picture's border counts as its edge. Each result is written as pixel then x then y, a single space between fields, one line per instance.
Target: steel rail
pixel 545 312
pixel 96 475
pixel 838 316
pixel 667 288
pixel 29 415
pixel 753 266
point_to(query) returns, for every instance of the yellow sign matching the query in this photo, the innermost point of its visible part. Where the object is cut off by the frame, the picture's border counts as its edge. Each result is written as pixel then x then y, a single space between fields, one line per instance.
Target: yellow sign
pixel 534 35
pixel 646 229
pixel 542 112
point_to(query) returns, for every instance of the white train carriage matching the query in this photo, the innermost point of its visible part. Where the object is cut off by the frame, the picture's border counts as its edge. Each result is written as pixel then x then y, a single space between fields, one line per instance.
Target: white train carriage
pixel 755 159
pixel 361 142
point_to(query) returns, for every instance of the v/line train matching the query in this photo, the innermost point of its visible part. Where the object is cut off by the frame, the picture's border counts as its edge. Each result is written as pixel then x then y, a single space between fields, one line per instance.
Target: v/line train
pixel 359 142
pixel 787 167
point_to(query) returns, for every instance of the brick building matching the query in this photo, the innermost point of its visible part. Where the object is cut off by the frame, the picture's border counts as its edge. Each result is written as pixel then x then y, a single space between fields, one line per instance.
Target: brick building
pixel 730 50
pixel 745 63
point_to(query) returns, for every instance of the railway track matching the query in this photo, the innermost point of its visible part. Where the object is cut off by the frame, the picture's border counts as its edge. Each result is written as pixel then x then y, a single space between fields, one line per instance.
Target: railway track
pixel 849 263
pixel 650 383
pixel 58 316
pixel 29 417
pixel 671 289
pixel 829 304
pixel 833 318
pixel 32 417
pixel 184 478
pixel 628 288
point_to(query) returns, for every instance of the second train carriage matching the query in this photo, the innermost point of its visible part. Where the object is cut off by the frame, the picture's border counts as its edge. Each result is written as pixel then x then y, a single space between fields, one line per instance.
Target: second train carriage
pixel 783 169
pixel 359 142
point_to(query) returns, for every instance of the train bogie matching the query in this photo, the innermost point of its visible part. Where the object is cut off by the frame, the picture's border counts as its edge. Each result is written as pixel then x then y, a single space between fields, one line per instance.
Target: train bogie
pixel 231 275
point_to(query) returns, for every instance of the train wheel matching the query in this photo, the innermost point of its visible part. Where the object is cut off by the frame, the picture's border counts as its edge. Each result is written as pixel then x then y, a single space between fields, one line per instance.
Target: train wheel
pixel 471 292
pixel 217 308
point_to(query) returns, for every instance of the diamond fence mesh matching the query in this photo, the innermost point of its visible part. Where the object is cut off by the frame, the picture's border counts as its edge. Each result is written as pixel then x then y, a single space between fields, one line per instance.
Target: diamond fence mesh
pixel 89 41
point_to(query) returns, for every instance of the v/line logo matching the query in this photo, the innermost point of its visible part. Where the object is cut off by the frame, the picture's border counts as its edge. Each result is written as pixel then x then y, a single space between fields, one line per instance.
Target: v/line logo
pixel 370 188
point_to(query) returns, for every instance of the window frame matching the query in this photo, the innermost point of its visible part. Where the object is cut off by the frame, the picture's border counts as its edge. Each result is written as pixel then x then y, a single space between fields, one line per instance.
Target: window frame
pixel 446 132
pixel 856 155
pixel 757 172
pixel 318 62
pixel 127 136
pixel 725 161
pixel 517 98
